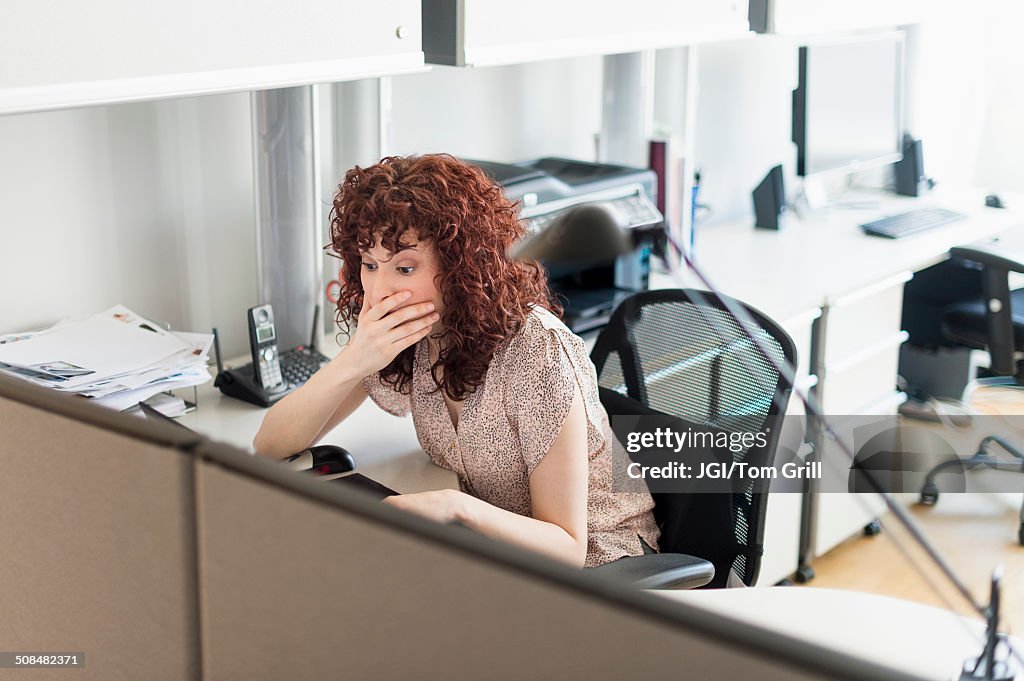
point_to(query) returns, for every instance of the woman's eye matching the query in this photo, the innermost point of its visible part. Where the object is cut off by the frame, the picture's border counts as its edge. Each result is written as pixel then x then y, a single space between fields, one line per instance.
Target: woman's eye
pixel 369 266
pixel 405 270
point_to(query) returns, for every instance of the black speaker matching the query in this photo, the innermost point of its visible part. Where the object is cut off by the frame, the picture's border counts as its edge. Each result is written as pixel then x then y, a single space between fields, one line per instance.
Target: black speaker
pixel 910 171
pixel 770 200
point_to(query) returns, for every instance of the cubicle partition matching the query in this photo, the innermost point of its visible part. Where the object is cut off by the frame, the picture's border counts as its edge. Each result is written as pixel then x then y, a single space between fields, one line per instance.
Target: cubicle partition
pixel 166 556
pixel 97 540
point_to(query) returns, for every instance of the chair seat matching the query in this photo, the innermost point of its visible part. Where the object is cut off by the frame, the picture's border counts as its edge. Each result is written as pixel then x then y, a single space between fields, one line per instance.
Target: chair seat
pixel 660 571
pixel 965 322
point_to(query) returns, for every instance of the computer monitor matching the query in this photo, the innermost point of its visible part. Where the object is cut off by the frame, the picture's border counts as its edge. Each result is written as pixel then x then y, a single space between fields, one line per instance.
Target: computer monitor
pixel 848 105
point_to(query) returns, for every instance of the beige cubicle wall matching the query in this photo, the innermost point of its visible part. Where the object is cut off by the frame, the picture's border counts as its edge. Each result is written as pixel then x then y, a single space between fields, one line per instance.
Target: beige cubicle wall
pixel 167 556
pixel 97 542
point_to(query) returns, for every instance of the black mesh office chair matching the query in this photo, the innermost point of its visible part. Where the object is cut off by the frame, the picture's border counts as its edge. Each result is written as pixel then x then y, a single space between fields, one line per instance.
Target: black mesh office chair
pixel 993 321
pixel 678 352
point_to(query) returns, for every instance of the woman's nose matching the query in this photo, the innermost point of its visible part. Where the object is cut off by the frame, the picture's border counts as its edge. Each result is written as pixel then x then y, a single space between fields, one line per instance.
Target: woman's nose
pixel 377 290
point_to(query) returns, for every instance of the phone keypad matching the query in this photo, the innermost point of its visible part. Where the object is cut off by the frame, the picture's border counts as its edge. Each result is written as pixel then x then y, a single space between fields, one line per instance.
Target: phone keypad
pixel 270 369
pixel 298 364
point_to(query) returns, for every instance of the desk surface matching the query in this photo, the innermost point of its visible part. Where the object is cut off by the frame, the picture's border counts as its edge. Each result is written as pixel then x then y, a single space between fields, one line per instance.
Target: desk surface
pixel 385 447
pixel 815 260
pixel 911 637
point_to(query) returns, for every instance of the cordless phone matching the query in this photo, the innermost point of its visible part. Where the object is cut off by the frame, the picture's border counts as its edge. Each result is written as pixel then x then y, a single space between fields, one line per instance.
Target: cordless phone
pixel 272 374
pixel 263 342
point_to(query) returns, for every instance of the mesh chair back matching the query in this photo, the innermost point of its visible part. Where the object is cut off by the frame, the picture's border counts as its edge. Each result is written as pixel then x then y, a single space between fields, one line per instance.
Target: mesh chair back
pixel 679 352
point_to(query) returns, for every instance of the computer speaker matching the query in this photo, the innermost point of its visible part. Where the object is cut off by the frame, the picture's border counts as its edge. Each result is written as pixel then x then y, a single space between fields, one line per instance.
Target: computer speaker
pixel 910 171
pixel 770 200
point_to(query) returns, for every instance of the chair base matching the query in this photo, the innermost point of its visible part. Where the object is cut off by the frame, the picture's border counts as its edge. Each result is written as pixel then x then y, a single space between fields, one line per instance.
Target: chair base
pixel 930 491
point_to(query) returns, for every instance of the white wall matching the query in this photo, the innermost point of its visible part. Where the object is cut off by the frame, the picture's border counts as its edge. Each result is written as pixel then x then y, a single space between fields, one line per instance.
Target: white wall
pixel 970 102
pixel 743 124
pixel 502 113
pixel 149 205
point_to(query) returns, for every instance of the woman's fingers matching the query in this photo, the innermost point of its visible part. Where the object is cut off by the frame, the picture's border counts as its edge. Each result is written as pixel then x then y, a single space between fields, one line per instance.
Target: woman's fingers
pixel 405 314
pixel 388 304
pixel 414 329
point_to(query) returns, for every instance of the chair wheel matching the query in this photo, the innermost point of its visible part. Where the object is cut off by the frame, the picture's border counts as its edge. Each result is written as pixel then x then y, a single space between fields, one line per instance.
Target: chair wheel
pixel 873 528
pixel 804 574
pixel 929 494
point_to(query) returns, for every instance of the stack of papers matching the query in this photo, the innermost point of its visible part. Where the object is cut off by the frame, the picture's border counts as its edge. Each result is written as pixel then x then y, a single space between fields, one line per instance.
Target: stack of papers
pixel 116 358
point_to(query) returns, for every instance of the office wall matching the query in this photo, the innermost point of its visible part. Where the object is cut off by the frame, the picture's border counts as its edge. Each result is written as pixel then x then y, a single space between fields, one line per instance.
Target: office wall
pixel 149 205
pixel 503 113
pixel 743 121
pixel 969 100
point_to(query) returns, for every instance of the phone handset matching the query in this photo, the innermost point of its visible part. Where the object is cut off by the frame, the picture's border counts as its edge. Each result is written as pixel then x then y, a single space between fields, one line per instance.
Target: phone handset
pixel 263 343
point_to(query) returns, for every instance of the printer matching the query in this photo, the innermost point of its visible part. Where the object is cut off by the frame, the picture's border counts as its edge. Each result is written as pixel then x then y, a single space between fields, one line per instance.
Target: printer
pixel 547 188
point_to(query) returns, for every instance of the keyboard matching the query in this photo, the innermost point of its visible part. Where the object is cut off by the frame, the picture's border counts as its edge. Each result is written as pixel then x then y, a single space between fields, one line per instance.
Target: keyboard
pixel 914 222
pixel 299 363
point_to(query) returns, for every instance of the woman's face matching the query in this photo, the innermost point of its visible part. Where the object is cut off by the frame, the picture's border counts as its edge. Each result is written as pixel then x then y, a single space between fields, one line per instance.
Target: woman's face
pixel 413 268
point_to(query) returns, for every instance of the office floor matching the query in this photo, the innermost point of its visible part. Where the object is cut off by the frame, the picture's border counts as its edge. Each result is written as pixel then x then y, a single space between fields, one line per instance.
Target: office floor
pixel 973 532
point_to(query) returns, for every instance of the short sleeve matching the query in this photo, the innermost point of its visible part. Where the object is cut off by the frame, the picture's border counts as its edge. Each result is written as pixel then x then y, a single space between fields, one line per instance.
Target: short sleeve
pixel 539 391
pixel 386 397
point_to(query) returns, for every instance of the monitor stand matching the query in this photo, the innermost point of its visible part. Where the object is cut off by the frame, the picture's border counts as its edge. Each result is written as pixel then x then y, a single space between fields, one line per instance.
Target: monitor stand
pixel 818 194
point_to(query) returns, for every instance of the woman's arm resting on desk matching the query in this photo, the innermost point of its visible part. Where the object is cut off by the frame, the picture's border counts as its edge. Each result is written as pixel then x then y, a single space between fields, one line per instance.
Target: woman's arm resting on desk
pixel 558 495
pixel 300 419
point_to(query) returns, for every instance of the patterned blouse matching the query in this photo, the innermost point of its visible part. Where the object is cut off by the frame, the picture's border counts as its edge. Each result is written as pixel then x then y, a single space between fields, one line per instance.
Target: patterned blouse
pixel 508 424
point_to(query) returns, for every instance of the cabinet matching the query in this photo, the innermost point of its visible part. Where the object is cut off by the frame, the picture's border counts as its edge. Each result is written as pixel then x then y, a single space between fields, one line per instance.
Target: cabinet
pixel 785 500
pixel 485 33
pixel 857 354
pixel 64 53
pixel 818 16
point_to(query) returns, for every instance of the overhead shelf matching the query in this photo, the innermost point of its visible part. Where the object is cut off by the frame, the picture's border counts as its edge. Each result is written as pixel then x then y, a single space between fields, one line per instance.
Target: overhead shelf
pixel 829 16
pixel 487 33
pixel 66 53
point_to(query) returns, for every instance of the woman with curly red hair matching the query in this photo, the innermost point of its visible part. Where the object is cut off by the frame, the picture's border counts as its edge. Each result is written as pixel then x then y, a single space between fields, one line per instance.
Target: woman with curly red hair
pixel 447 327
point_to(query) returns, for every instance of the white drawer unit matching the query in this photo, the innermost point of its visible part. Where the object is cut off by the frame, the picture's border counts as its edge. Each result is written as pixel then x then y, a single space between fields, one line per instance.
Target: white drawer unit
pixel 841 515
pixel 864 317
pixel 863 379
pixel 781 537
pixel 857 345
pixel 124 50
pixel 486 33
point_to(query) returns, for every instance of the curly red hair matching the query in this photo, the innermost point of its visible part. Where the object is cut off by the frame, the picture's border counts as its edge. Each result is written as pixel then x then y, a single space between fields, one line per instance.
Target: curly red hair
pixel 471 224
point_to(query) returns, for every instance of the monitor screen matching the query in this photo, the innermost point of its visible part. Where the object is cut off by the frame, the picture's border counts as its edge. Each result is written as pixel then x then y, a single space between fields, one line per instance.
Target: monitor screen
pixel 848 105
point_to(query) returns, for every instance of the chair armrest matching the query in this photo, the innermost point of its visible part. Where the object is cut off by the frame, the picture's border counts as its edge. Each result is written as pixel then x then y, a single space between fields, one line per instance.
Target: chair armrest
pixel 988 256
pixel 660 571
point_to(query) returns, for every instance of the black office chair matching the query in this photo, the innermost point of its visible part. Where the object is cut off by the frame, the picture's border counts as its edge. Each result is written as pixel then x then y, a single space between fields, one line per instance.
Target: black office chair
pixel 678 352
pixel 993 321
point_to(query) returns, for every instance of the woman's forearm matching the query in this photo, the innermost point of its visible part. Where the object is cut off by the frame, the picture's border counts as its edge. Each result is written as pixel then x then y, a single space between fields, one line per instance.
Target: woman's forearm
pixel 536 535
pixel 292 424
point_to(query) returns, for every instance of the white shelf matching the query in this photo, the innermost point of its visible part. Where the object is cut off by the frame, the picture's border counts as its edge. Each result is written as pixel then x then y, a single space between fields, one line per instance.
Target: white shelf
pixel 485 33
pixel 62 53
pixel 826 16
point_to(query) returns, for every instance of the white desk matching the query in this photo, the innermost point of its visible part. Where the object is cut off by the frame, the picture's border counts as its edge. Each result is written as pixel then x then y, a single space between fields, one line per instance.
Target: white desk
pixel 384 446
pixel 909 637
